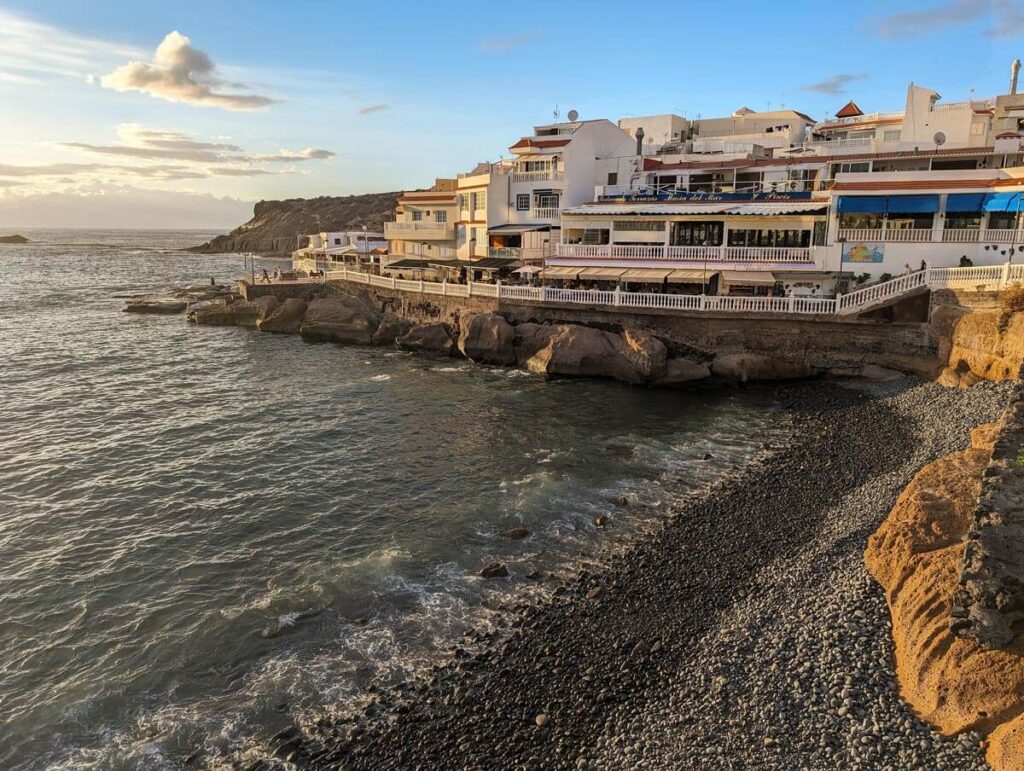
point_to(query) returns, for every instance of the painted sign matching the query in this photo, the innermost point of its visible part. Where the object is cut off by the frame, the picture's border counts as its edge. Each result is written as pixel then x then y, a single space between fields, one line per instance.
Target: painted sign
pixel 856 251
pixel 697 197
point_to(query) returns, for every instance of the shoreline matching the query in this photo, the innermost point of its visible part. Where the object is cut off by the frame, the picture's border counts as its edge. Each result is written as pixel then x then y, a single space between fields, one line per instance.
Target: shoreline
pixel 630 665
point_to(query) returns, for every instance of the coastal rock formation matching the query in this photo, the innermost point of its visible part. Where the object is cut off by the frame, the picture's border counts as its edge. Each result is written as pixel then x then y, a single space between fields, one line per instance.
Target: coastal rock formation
pixel 680 371
pixel 390 329
pixel 14 239
pixel 159 305
pixel 286 318
pixel 274 224
pixel 487 338
pixel 977 345
pixel 233 313
pixel 950 681
pixel 342 318
pixel 428 338
pixel 577 351
pixel 741 367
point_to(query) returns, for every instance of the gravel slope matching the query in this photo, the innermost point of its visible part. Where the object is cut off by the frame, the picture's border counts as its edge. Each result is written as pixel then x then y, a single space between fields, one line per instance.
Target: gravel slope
pixel 743 634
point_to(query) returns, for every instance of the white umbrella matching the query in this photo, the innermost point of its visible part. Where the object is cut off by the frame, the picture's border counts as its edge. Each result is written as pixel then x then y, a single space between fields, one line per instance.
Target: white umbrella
pixel 528 270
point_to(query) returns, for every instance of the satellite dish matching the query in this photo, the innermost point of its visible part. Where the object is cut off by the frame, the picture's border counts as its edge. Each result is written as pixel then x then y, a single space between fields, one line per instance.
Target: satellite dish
pixel 572 115
pixel 939 139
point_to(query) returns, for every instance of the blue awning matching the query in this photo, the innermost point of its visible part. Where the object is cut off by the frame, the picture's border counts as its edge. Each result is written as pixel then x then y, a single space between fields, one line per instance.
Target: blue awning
pixel 1003 201
pixel 966 202
pixel 862 204
pixel 913 204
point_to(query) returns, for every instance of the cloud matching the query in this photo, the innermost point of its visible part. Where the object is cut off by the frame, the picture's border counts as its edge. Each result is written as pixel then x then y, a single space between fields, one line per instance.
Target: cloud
pixel 80 170
pixel 1007 19
pixel 181 73
pixel 373 108
pixel 834 85
pixel 309 154
pixel 509 42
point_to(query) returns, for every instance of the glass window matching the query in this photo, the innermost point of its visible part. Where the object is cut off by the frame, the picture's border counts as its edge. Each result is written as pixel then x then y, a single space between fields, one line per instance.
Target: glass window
pixel 523 202
pixel 417 215
pixel 441 216
pixel 915 221
pixel 892 136
pixel 963 221
pixel 860 221
pixel 595 237
pixel 696 234
pixel 639 225
pixel 1001 220
pixel 613 178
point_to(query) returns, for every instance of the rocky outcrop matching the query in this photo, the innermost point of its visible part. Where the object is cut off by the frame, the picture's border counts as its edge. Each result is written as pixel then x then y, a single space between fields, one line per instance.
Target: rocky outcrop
pixel 577 351
pixel 950 681
pixel 976 345
pixel 682 371
pixel 428 338
pixel 390 329
pixel 233 313
pixel 487 338
pixel 285 319
pixel 14 239
pixel 341 318
pixel 274 224
pixel 741 367
pixel 158 305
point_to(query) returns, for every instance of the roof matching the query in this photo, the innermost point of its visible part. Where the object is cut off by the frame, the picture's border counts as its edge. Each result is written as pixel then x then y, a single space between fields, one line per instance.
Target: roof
pixel 533 142
pixel 517 228
pixel 849 110
pixel 495 263
pixel 727 207
pixel 407 262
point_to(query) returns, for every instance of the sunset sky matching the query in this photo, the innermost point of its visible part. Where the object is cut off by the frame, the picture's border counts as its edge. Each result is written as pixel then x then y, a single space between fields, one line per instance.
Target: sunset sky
pixel 183 114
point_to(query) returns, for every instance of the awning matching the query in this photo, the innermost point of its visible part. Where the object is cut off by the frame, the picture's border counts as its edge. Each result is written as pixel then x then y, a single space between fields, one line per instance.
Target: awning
pixel 645 275
pixel 880 204
pixel 528 270
pixel 1004 201
pixel 862 204
pixel 913 204
pixel 440 263
pixel 517 228
pixel 691 276
pixel 965 202
pixel 561 272
pixel 407 262
pixel 602 274
pixel 748 277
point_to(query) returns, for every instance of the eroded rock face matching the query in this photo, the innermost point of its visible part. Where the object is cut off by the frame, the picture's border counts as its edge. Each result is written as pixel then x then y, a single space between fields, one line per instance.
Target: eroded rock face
pixel 156 305
pixel 284 319
pixel 741 367
pixel 978 345
pixel 390 329
pixel 681 371
pixel 429 338
pixel 487 338
pixel 233 314
pixel 578 351
pixel 916 555
pixel 342 318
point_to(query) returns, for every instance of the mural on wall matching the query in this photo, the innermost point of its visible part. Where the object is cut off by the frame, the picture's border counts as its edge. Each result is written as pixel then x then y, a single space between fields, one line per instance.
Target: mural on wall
pixel 860 252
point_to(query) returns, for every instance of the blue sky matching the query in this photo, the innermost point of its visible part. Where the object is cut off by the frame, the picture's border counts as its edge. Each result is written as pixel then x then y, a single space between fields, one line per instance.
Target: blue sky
pixel 329 98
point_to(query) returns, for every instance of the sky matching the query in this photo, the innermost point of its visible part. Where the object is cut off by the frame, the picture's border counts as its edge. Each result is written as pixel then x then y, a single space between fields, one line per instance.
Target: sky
pixel 129 114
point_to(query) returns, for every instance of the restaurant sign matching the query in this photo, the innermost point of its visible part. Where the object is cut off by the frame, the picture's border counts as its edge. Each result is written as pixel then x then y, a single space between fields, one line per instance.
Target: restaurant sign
pixel 858 252
pixel 698 197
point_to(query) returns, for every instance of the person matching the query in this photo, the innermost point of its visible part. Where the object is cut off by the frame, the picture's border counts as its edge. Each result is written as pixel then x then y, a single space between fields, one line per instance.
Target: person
pixel 966 262
pixel 266 276
pixel 907 267
pixel 924 265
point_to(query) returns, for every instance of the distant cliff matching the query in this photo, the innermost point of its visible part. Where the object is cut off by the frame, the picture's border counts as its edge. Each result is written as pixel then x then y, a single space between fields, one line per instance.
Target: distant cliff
pixel 275 224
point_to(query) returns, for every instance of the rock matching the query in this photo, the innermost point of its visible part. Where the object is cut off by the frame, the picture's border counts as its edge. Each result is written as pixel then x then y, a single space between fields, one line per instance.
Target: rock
pixel 517 533
pixel 228 314
pixel 390 329
pixel 494 570
pixel 541 720
pixel 14 239
pixel 600 521
pixel 578 351
pixel 978 345
pixel 620 500
pixel 285 318
pixel 429 338
pixel 741 367
pixel 341 318
pixel 1005 750
pixel 487 338
pixel 156 305
pixel 679 371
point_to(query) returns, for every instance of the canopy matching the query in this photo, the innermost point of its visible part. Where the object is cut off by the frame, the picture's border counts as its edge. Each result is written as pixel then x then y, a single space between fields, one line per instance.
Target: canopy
pixel 748 277
pixel 913 204
pixel 691 276
pixel 528 270
pixel 880 204
pixel 965 202
pixel 1004 201
pixel 517 228
pixel 602 274
pixel 561 272
pixel 407 262
pixel 646 275
pixel 862 204
pixel 494 263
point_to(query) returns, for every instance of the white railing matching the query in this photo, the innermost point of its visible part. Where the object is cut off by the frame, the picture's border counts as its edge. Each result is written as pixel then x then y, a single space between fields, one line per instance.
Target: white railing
pixel 538 176
pixel 839 143
pixel 902 235
pixel 545 213
pixel 418 230
pixel 1002 236
pixel 768 254
pixel 866 118
pixel 960 236
pixel 511 252
pixel 690 254
pixel 988 277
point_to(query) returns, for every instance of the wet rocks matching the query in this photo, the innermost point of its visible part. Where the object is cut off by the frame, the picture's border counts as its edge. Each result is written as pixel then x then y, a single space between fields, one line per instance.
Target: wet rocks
pixel 286 318
pixel 494 570
pixel 487 338
pixel 156 305
pixel 517 533
pixel 231 313
pixel 742 367
pixel 572 350
pixel 681 371
pixel 390 329
pixel 341 318
pixel 428 338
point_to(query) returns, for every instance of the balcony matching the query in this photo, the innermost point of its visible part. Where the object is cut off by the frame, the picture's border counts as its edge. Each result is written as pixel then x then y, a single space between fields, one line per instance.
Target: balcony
pixel 692 254
pixel 538 176
pixel 545 213
pixel 900 235
pixel 425 231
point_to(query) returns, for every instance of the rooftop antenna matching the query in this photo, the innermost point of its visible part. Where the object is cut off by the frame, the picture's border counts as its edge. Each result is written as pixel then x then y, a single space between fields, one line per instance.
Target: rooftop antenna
pixel 556 114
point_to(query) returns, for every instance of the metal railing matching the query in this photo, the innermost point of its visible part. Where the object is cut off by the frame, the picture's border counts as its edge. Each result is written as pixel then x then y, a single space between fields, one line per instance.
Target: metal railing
pixel 419 230
pixel 746 254
pixel 538 176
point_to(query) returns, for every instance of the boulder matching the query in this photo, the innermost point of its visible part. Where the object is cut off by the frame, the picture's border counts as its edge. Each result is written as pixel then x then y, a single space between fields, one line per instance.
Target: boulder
pixel 285 318
pixel 341 318
pixel 741 367
pixel 429 338
pixel 978 345
pixel 156 305
pixel 390 329
pixel 15 239
pixel 494 570
pixel 680 371
pixel 578 351
pixel 232 313
pixel 517 533
pixel 487 338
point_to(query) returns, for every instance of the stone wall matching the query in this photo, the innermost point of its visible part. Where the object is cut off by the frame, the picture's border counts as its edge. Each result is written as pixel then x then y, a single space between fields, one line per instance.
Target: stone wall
pixel 989 603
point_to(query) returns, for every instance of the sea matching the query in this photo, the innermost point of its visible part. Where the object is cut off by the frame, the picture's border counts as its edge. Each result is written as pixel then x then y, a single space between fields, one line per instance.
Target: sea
pixel 208 534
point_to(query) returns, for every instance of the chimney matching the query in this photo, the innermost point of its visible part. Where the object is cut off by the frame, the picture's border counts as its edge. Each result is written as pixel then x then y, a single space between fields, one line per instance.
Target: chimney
pixel 640 140
pixel 1014 72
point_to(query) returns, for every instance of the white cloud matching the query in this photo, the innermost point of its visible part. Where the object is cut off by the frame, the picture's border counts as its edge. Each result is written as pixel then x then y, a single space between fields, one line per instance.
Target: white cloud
pixel 834 85
pixel 373 108
pixel 510 42
pixel 1007 19
pixel 181 73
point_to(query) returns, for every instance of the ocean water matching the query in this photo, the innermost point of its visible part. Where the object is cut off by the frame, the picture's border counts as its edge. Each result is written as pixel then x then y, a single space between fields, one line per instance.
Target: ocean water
pixel 208 533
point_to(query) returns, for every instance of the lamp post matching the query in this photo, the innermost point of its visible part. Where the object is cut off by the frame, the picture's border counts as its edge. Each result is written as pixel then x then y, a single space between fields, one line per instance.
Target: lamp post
pixel 366 247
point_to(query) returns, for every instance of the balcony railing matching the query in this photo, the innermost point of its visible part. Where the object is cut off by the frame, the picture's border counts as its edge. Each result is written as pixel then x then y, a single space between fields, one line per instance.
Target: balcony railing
pixel 427 230
pixel 901 235
pixel 976 235
pixel 692 254
pixel 866 118
pixel 538 176
pixel 545 213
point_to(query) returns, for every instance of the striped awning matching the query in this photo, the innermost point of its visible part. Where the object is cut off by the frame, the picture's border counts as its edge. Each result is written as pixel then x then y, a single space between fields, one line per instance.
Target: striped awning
pixel 748 277
pixel 561 272
pixel 602 274
pixel 691 276
pixel 646 275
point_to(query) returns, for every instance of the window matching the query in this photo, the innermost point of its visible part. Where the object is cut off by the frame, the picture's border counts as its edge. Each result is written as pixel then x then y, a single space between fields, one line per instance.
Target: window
pixel 479 201
pixel 523 202
pixel 613 177
pixel 417 215
pixel 595 237
pixel 696 234
pixel 639 225
pixel 1001 220
pixel 850 168
pixel 337 242
pixel 977 129
pixel 545 199
pixel 464 202
pixel 441 216
pixel 769 238
pixel 892 136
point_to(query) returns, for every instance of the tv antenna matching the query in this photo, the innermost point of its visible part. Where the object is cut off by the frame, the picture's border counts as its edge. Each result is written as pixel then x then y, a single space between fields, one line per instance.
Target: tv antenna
pixel 556 114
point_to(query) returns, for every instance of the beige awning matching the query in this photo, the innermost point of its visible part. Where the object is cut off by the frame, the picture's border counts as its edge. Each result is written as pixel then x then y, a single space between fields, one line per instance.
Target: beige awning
pixel 690 276
pixel 748 277
pixel 561 272
pixel 645 275
pixel 602 274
